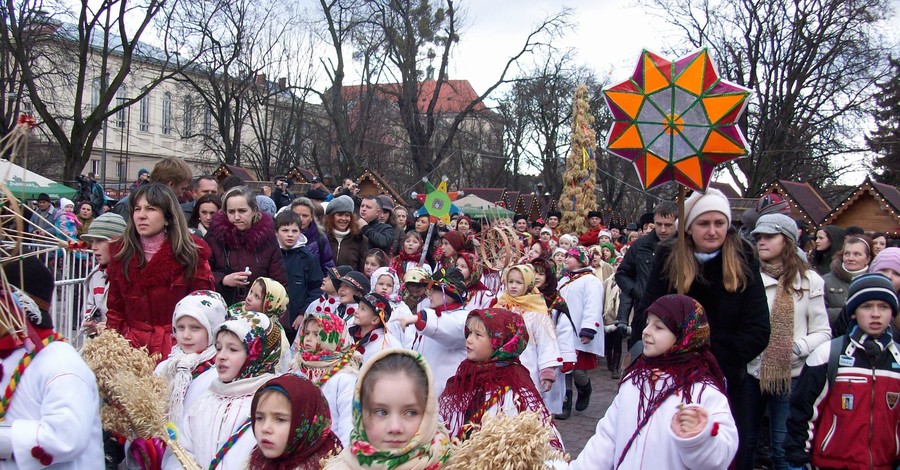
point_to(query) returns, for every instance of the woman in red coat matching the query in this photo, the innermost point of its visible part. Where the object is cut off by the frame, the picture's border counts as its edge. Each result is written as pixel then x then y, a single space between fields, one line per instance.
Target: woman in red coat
pixel 156 263
pixel 241 238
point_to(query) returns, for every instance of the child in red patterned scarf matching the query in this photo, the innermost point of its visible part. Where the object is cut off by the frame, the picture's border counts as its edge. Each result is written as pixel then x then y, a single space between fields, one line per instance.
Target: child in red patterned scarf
pixel 491 380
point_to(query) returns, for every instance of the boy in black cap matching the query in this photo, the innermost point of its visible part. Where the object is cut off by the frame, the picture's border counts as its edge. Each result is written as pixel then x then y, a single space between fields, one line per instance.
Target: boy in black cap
pixel 350 285
pixel 845 410
pixel 440 330
pixel 373 311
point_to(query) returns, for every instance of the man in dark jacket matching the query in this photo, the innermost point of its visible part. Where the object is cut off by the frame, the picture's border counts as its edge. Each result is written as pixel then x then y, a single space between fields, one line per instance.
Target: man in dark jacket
pixel 281 195
pixel 380 235
pixel 633 273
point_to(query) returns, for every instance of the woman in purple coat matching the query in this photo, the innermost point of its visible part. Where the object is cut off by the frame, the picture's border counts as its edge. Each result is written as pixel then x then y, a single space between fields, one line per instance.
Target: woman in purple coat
pixel 316 241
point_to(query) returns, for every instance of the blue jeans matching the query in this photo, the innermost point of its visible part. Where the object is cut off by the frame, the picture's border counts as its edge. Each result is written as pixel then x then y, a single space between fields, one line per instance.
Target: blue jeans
pixel 779 407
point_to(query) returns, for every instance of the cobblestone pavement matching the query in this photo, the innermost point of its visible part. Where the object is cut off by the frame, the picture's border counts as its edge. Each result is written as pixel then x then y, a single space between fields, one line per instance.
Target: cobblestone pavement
pixel 581 425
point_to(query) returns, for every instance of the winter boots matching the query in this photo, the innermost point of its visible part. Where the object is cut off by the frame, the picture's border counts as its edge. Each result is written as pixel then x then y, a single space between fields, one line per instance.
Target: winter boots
pixel 584 396
pixel 566 408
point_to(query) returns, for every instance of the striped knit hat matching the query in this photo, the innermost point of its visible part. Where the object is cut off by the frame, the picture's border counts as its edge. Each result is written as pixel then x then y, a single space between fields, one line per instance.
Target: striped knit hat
pixel 105 228
pixel 871 286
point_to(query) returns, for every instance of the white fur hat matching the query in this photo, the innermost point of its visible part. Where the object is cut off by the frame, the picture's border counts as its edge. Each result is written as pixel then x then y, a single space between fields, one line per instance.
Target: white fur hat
pixel 700 203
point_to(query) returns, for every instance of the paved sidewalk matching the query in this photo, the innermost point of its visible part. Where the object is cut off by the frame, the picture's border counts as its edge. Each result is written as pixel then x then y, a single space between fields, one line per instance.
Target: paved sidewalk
pixel 581 425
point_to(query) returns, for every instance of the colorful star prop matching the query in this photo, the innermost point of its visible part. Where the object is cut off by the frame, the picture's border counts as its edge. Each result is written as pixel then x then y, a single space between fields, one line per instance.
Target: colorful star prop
pixel 676 120
pixel 438 202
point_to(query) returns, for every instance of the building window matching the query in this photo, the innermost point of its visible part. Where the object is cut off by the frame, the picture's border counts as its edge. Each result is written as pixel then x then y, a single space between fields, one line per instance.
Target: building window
pixel 95 168
pixel 145 113
pixel 95 92
pixel 120 171
pixel 167 113
pixel 188 117
pixel 207 122
pixel 121 97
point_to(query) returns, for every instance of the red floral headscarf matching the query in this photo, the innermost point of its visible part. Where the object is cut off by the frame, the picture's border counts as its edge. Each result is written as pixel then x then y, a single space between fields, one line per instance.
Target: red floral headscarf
pixel 311 438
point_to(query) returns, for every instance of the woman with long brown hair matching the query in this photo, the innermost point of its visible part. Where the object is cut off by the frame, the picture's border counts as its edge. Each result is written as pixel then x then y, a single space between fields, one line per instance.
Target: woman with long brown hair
pixel 795 294
pixel 155 264
pixel 718 269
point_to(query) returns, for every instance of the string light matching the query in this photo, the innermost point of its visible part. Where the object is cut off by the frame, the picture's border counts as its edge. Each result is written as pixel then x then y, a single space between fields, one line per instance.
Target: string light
pixel 873 190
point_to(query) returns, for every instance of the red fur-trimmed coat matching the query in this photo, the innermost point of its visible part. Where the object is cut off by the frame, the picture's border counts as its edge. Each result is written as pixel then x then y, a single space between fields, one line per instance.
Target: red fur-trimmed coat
pixel 233 251
pixel 141 306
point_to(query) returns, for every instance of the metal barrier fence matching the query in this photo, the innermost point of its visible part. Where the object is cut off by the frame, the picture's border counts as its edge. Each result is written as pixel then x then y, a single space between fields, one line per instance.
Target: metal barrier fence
pixel 70 269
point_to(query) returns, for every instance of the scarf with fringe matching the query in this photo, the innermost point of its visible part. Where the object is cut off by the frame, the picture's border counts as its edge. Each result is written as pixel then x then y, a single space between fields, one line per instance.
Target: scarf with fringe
pixel 180 370
pixel 532 301
pixel 477 386
pixel 775 370
pixel 688 362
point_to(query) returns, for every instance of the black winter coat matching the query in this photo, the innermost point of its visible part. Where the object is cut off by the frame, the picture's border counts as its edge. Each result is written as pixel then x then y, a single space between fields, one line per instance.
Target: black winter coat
pixel 632 276
pixel 738 322
pixel 379 235
pixel 304 281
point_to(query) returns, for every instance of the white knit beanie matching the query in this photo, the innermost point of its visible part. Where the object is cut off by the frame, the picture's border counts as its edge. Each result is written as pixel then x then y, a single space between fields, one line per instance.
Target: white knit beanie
pixel 206 306
pixel 701 203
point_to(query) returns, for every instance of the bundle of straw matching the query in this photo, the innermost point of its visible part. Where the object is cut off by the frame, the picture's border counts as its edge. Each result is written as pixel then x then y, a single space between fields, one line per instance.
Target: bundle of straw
pixel 518 442
pixel 133 397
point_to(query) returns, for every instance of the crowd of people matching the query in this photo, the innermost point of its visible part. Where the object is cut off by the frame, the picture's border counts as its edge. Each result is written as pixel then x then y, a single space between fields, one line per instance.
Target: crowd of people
pixel 351 332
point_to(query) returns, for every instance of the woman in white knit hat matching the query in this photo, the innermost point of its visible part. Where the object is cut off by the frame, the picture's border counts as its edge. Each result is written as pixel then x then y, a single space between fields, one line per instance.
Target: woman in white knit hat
pixel 719 270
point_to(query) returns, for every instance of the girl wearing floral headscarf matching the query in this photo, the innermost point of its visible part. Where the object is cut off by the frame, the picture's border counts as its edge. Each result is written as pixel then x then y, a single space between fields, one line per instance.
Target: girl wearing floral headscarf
pixel 292 426
pixel 671 410
pixel 395 385
pixel 491 380
pixel 190 368
pixel 327 356
pixel 479 296
pixel 215 433
pixel 541 356
pixel 268 296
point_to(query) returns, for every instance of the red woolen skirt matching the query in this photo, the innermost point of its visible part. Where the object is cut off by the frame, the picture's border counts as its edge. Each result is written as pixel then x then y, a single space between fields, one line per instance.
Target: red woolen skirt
pixel 586 361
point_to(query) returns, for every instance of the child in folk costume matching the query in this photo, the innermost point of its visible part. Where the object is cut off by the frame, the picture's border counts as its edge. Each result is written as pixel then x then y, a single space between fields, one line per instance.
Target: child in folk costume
pixel 329 298
pixel 190 368
pixel 268 296
pixel 369 329
pixel 613 334
pixel 602 269
pixel 583 293
pixel 375 258
pixel 327 356
pixel 491 380
pixel 107 228
pixel 385 282
pixel 350 286
pixel 541 356
pixel 477 294
pixel 410 253
pixel 439 329
pixel 415 288
pixel 49 414
pixel 292 426
pixel 395 417
pixel 674 394
pixel 452 244
pixel 215 428
pixel 545 283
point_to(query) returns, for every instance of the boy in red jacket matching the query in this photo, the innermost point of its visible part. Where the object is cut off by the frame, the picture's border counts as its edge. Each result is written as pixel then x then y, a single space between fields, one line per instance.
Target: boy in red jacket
pixel 850 421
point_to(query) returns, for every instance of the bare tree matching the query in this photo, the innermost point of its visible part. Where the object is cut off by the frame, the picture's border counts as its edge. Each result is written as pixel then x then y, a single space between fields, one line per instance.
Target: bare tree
pixel 71 65
pixel 812 65
pixel 233 45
